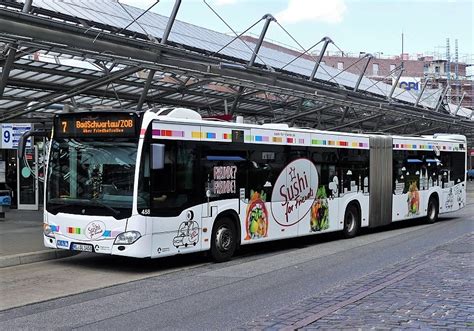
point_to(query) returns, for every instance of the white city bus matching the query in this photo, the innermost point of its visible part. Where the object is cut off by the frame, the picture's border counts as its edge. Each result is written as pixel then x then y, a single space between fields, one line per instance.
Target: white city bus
pixel 166 182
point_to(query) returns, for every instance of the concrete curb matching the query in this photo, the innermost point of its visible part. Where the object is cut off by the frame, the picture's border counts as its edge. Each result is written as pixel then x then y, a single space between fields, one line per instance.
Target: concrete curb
pixel 25 258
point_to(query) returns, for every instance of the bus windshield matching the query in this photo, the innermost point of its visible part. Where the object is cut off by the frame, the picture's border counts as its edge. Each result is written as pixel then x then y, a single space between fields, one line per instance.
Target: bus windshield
pixel 91 177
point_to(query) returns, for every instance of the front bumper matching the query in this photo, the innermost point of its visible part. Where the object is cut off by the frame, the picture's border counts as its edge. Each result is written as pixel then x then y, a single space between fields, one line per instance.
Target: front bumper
pixel 140 248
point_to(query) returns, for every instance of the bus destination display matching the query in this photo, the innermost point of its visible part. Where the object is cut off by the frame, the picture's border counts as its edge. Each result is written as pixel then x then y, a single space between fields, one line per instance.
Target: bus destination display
pixel 96 126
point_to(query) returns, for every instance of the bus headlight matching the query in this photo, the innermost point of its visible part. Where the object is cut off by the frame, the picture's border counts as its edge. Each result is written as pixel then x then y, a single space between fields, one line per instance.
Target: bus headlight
pixel 127 238
pixel 48 232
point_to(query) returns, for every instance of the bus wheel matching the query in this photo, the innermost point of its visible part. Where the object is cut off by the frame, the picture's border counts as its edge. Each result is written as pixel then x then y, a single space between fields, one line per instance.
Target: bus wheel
pixel 351 221
pixel 433 211
pixel 223 240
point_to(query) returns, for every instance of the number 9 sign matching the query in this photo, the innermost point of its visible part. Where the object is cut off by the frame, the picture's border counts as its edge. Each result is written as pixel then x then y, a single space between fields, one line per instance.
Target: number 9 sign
pixel 7 136
pixel 10 134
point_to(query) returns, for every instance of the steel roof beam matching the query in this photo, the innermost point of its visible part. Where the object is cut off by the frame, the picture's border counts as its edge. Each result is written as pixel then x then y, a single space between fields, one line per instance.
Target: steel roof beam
pixel 77 37
pixel 179 60
pixel 421 93
pixel 149 79
pixel 459 104
pixel 368 118
pixel 430 129
pixel 268 19
pixel 242 95
pixel 98 93
pixel 11 57
pixel 356 86
pixel 303 114
pixel 179 89
pixel 19 54
pixel 336 98
pixel 7 66
pixel 120 49
pixel 327 40
pixel 394 86
pixel 101 95
pixel 163 41
pixel 398 126
pixel 216 96
pixel 442 98
pixel 76 90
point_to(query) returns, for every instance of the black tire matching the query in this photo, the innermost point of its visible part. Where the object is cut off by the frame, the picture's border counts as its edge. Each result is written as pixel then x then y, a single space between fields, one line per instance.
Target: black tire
pixel 433 211
pixel 351 221
pixel 223 240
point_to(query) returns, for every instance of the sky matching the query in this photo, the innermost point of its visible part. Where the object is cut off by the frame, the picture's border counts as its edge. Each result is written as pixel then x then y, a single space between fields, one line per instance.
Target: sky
pixel 371 26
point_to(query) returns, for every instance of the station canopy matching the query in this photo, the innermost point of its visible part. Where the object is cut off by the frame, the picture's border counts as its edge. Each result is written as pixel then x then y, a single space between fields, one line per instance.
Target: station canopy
pixel 65 56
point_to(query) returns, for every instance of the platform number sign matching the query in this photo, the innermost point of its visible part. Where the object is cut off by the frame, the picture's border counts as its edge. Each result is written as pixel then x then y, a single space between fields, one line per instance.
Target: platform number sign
pixel 11 134
pixel 7 137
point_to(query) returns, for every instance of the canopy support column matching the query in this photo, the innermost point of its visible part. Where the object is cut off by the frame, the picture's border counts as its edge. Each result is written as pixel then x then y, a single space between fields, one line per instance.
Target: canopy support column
pixel 7 66
pixel 327 41
pixel 268 19
pixel 164 40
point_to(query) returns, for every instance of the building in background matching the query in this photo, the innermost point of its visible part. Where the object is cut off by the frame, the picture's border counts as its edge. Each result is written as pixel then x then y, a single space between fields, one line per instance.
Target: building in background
pixel 417 69
pixel 438 70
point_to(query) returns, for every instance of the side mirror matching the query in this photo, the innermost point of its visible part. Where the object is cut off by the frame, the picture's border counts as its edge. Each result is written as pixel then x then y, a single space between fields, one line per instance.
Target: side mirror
pixel 157 159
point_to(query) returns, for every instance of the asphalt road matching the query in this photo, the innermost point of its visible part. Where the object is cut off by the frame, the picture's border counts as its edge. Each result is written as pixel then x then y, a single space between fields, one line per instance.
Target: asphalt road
pixel 191 293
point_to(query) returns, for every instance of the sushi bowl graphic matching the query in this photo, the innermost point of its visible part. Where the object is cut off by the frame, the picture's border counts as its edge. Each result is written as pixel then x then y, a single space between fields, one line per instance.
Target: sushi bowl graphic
pixel 320 211
pixel 256 220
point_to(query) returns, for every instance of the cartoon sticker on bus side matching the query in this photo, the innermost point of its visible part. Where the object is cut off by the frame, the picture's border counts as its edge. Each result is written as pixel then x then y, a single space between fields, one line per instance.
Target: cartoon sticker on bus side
pixel 413 200
pixel 448 205
pixel 256 219
pixel 188 234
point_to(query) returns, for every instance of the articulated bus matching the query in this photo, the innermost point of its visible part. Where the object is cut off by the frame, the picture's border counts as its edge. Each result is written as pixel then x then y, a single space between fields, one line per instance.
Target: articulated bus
pixel 166 182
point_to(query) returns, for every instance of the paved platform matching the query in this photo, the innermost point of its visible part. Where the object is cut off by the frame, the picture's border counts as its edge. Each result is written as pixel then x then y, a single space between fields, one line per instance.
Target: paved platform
pixel 431 291
pixel 21 239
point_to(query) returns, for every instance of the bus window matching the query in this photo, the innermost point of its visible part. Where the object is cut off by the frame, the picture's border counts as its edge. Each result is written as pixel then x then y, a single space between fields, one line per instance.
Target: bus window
pixel 85 174
pixel 167 191
pixel 458 162
pixel 267 164
pixel 325 160
pixel 297 153
pixel 452 168
pixel 354 169
pixel 225 169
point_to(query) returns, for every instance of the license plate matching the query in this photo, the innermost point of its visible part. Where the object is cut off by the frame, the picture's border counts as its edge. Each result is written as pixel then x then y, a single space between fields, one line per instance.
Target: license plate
pixel 82 247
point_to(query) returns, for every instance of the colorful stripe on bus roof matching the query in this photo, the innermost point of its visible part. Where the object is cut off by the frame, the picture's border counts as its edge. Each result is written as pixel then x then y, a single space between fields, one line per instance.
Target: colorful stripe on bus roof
pixel 340 143
pixel 430 146
pixel 276 138
pixel 203 135
pixel 167 133
pixel 257 135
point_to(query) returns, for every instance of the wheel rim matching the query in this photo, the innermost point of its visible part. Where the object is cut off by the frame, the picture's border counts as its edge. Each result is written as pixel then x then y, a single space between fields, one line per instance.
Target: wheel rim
pixel 223 239
pixel 350 222
pixel 432 211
